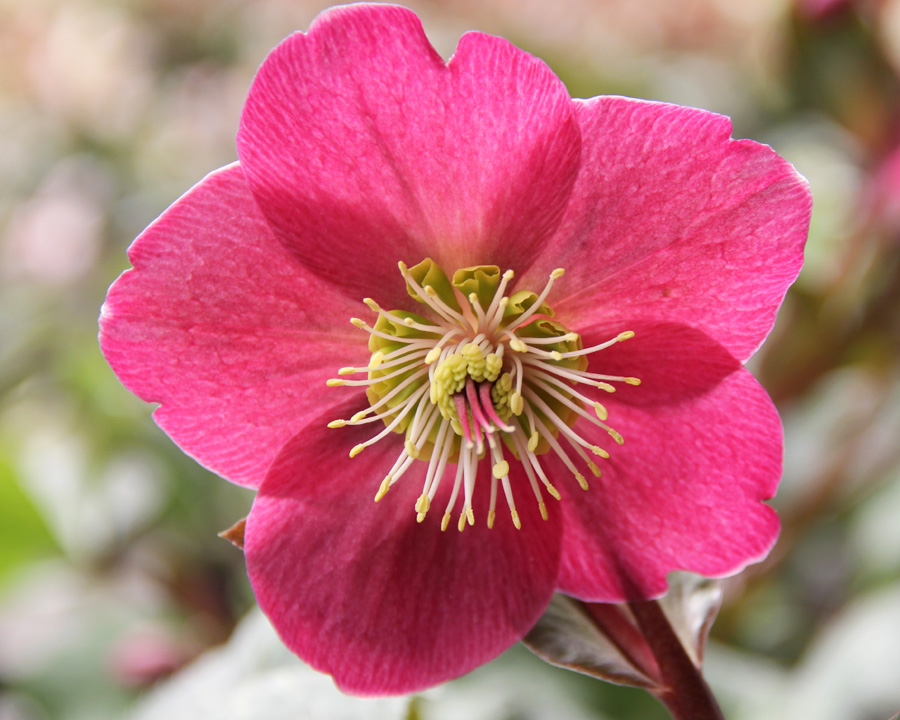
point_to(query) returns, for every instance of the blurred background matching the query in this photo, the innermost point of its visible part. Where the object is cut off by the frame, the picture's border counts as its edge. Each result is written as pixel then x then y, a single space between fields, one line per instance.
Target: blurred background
pixel 112 579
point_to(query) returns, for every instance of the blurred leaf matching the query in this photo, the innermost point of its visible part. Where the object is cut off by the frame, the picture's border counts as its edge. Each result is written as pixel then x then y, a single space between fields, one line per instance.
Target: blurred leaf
pixel 254 676
pixel 24 536
pixel 851 670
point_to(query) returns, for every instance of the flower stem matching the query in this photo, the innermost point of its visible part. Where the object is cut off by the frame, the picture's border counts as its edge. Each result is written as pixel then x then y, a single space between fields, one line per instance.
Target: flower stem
pixel 682 690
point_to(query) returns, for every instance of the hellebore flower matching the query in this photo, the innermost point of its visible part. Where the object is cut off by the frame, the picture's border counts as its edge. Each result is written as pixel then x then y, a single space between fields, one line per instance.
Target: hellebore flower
pixel 451 196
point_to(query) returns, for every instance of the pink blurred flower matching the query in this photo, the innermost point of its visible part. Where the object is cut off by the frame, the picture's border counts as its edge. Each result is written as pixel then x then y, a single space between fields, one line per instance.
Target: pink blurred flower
pixel 359 148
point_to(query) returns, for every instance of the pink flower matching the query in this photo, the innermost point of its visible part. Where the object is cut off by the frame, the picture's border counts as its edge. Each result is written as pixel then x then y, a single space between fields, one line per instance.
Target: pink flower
pixel 360 148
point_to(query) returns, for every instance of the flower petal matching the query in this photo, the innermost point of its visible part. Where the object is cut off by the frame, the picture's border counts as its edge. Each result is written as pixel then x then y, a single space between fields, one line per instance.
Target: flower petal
pixel 364 148
pixel 670 218
pixel 363 592
pixel 225 328
pixel 702 450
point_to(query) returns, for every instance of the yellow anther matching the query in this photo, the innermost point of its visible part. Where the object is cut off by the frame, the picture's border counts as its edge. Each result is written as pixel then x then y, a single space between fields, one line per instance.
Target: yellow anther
pixel 376 359
pixel 493 364
pixel 517 403
pixel 420 517
pixel 516 521
pixel 358 416
pixel 337 423
pixel 508 275
pixel 616 436
pixel 334 382
pixel 556 355
pixel 632 381
pixel 627 335
pixel 430 291
pixel 543 509
pixel 470 516
pixel 597 450
pixel 383 488
pixel 402 266
pixel 346 371
pixel 357 322
pixel 501 469
pixel 492 515
pixel 533 441
pixel 473 298
pixel 553 491
pixel 411 449
pixel 518 345
pixel 606 386
pixel 357 449
pixel 594 468
pixel 445 521
pixel 372 305
pixel 601 411
pixel 432 355
pixel 582 480
pixel 423 504
pixel 475 361
pixel 558 273
pixel 461 525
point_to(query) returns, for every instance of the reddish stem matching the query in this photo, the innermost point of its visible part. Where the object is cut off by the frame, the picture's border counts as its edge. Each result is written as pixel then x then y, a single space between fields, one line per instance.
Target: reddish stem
pixel 683 690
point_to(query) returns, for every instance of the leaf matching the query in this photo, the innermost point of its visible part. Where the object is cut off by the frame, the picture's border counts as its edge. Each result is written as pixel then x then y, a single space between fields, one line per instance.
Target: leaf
pixel 603 639
pixel 568 636
pixel 691 605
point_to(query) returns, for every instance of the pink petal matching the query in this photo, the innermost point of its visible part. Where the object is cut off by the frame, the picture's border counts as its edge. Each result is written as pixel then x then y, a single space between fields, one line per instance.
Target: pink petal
pixel 361 591
pixel 672 219
pixel 364 148
pixel 226 329
pixel 702 450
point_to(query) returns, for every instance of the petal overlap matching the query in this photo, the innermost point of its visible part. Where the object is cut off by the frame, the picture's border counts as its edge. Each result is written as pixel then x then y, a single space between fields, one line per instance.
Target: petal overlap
pixel 671 218
pixel 357 135
pixel 702 451
pixel 223 327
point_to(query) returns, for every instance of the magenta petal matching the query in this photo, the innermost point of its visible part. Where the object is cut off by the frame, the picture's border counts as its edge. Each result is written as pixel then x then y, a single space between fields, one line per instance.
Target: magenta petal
pixel 361 591
pixel 364 148
pixel 702 449
pixel 224 328
pixel 671 219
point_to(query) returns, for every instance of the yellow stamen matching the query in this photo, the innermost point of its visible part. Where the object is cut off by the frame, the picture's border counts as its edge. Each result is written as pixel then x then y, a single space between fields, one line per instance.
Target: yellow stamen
pixel 543 509
pixel 382 490
pixel 581 481
pixel 515 519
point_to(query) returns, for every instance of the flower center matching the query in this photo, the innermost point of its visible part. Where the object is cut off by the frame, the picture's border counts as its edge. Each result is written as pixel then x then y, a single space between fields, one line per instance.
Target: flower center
pixel 480 374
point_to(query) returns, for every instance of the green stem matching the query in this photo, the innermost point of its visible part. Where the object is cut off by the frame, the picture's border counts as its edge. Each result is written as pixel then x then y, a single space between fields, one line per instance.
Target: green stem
pixel 683 690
